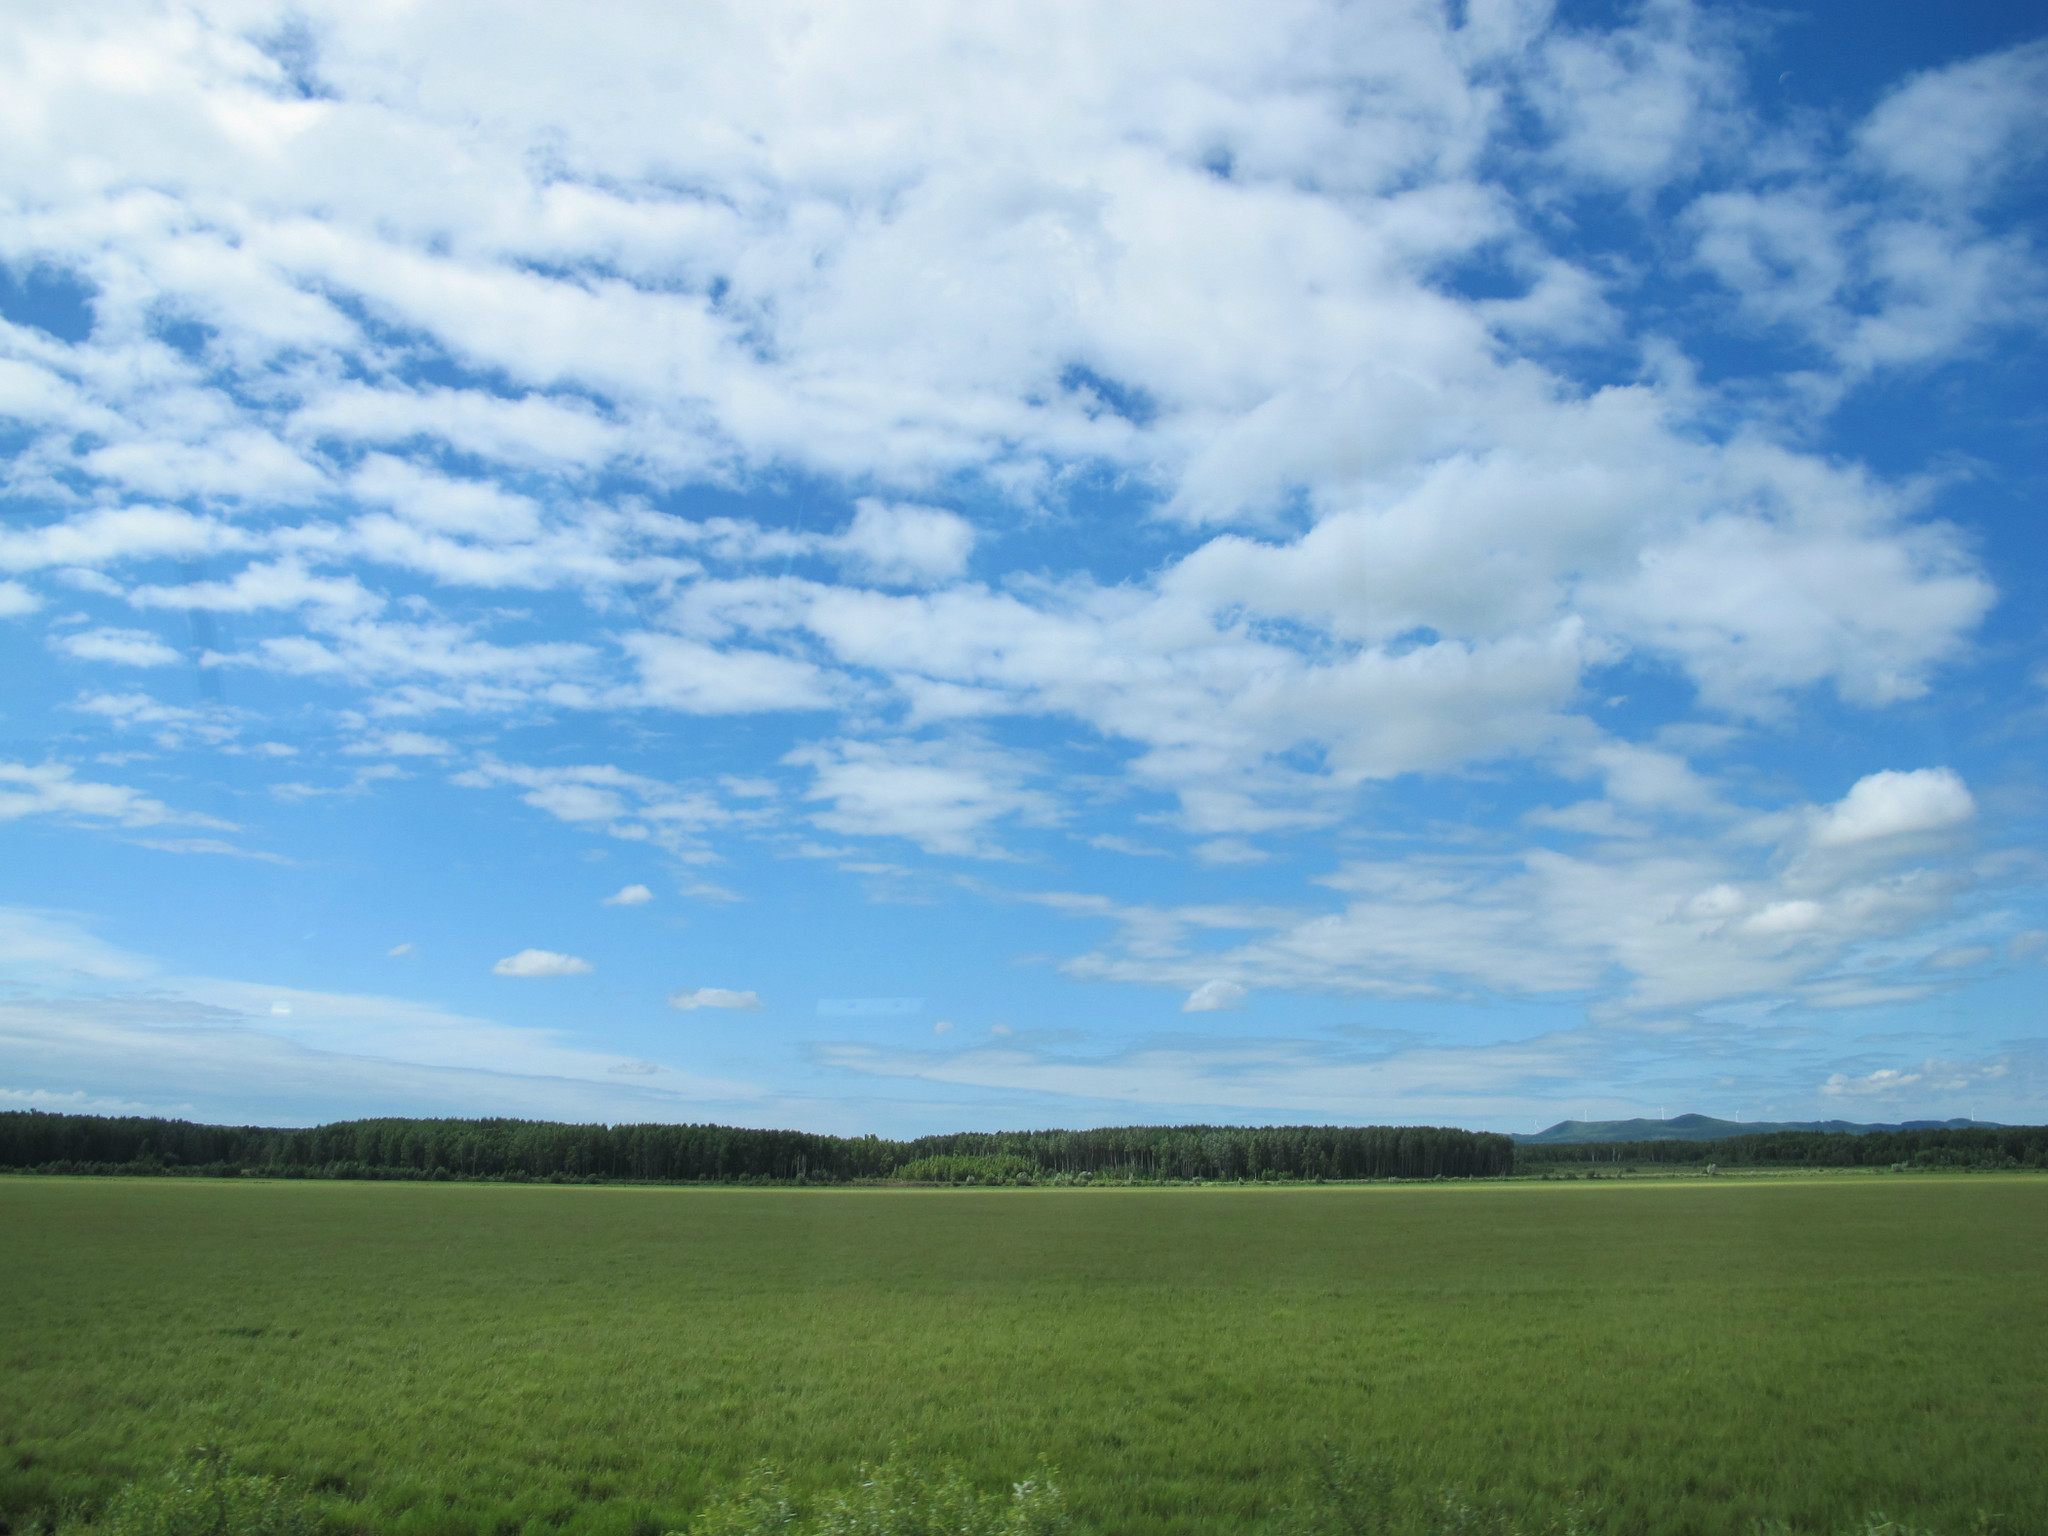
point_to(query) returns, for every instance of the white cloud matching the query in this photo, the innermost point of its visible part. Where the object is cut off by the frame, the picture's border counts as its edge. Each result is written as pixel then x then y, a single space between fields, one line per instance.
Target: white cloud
pixel 941 796
pixel 208 845
pixel 871 259
pixel 171 726
pixel 1215 996
pixel 906 545
pixel 1930 1076
pixel 238 1052
pixel 1643 104
pixel 698 679
pixel 1403 1081
pixel 1895 804
pixel 691 998
pixel 122 647
pixel 398 950
pixel 16 600
pixel 466 507
pixel 1682 920
pixel 436 665
pixel 1535 527
pixel 1954 130
pixel 402 744
pixel 1229 850
pixel 541 962
pixel 107 535
pixel 629 896
pixel 281 584
pixel 80 1102
pixel 1111 842
pixel 49 789
pixel 1921 271
pixel 601 797
pixel 32 941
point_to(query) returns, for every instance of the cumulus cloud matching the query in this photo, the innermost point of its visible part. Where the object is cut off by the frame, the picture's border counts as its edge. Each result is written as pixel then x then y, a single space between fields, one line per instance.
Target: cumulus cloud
pixel 541 962
pixel 1954 130
pixel 699 679
pixel 629 896
pixel 941 796
pixel 1932 1075
pixel 1896 804
pixel 692 998
pixel 122 647
pixel 1534 528
pixel 1010 505
pixel 905 545
pixel 1685 920
pixel 601 797
pixel 279 584
pixel 1215 996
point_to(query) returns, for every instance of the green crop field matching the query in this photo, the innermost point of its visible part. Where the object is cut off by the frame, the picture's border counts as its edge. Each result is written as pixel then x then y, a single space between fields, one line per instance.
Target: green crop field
pixel 1690 1356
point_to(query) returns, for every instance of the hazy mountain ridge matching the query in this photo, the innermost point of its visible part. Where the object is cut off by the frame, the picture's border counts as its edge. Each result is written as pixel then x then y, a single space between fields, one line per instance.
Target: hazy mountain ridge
pixel 1707 1128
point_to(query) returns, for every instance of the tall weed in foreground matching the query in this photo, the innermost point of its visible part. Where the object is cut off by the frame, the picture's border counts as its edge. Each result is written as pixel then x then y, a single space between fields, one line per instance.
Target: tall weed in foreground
pixel 1344 1498
pixel 1881 1524
pixel 204 1496
pixel 893 1499
pixel 1341 1497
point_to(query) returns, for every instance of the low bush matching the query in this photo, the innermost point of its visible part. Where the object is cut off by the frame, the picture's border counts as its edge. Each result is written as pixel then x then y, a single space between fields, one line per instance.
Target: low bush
pixel 969 1168
pixel 206 1495
pixel 893 1499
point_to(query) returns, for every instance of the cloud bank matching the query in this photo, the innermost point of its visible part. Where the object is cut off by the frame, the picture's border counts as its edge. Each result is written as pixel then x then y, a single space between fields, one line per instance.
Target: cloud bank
pixel 1355 502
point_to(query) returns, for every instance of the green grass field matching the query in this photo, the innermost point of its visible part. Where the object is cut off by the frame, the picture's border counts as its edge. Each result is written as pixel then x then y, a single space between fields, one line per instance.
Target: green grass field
pixel 496 1359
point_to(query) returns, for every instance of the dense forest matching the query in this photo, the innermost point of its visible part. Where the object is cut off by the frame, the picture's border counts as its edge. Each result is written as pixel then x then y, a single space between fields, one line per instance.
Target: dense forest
pixel 2024 1146
pixel 529 1149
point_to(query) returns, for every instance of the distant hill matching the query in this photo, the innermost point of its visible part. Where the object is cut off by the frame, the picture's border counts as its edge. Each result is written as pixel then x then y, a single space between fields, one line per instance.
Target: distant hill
pixel 1707 1128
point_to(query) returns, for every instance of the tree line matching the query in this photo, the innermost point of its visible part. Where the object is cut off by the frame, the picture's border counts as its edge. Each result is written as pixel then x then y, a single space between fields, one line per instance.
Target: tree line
pixel 532 1149
pixel 535 1149
pixel 2023 1146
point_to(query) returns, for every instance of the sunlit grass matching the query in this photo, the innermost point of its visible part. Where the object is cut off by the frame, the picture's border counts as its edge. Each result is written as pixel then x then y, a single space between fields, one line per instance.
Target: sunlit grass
pixel 490 1359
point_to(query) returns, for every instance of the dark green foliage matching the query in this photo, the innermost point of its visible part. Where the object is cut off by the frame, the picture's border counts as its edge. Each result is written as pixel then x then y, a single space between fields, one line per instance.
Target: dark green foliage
pixel 204 1496
pixel 896 1498
pixel 2016 1146
pixel 1258 1153
pixel 965 1168
pixel 541 1150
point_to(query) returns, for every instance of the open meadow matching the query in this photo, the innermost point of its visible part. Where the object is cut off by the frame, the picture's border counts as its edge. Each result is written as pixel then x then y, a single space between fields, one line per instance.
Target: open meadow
pixel 492 1359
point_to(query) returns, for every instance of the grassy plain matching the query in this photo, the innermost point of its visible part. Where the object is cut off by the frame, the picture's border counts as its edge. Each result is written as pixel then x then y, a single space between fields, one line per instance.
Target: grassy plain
pixel 495 1359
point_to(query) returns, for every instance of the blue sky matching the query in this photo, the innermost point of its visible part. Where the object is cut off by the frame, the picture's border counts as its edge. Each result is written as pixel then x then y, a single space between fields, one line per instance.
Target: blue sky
pixel 897 568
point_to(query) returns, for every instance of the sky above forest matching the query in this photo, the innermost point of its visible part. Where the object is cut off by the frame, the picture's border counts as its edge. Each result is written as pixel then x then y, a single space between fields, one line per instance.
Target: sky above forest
pixel 903 567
